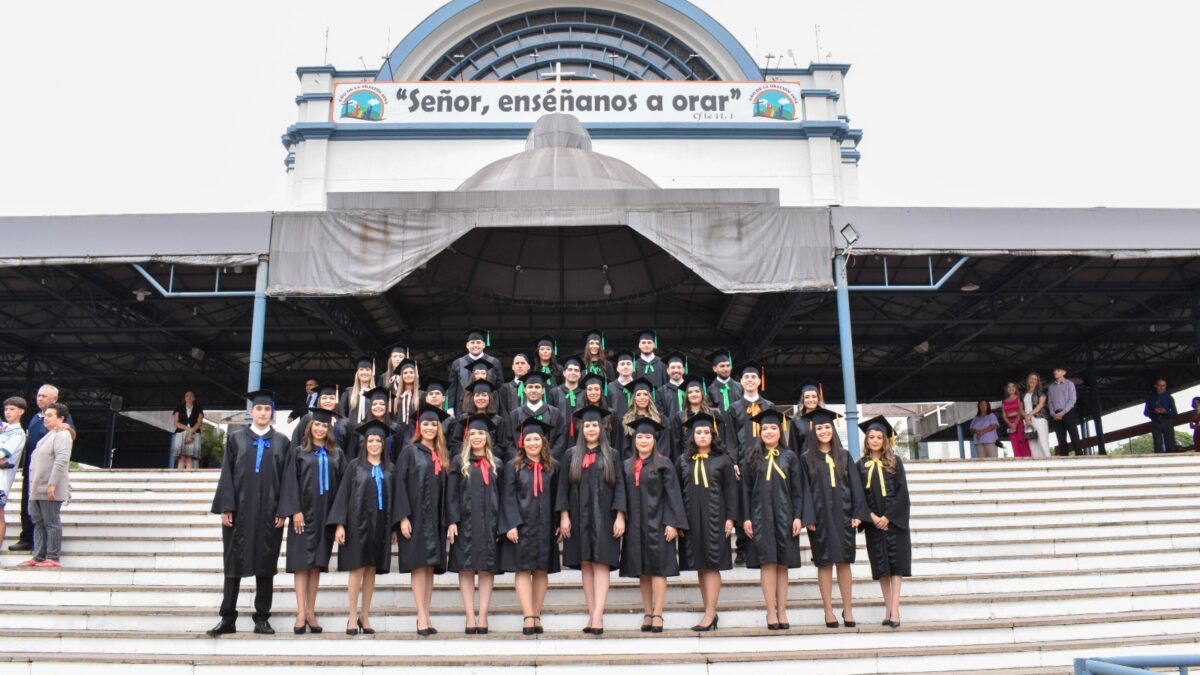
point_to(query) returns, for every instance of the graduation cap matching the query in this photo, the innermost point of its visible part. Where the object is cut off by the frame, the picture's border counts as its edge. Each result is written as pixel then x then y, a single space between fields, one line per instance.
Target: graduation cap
pixel 261 397
pixel 594 378
pixel 321 415
pixel 721 356
pixel 624 355
pixel 532 425
pixel 646 425
pixel 364 362
pixel 694 380
pixel 548 341
pixel 821 416
pixel 878 423
pixel 479 334
pixel 398 348
pixel 481 386
pixel 753 367
pixel 327 389
pixel 647 334
pixel 812 385
pixel 677 357
pixel 590 413
pixel 769 416
pixel 702 420
pixel 436 384
pixel 595 334
pixel 374 428
pixel 535 377
pixel 641 384
pixel 573 359
pixel 431 413
pixel 480 364
pixel 480 422
pixel 377 394
pixel 523 354
pixel 405 363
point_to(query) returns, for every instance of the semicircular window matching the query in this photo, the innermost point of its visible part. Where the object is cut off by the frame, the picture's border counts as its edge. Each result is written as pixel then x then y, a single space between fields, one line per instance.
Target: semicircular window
pixel 590 44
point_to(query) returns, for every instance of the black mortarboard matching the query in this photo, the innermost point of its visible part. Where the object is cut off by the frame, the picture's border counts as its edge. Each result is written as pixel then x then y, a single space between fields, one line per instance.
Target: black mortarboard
pixel 647 334
pixel 374 428
pixel 877 423
pixel 640 383
pixel 701 419
pixel 591 413
pixel 321 415
pixel 481 422
pixel 594 334
pixel 478 386
pixel 593 378
pixel 377 393
pixel 261 397
pixel 573 359
pixel 399 348
pixel 533 425
pixel 623 355
pixel 327 389
pixel 813 385
pixel 429 412
pixel 534 377
pixel 693 380
pixel 436 384
pixel 405 363
pixel 675 356
pixel 547 341
pixel 769 416
pixel 523 354
pixel 720 356
pixel 821 416
pixel 749 367
pixel 479 334
pixel 364 362
pixel 646 425
pixel 480 364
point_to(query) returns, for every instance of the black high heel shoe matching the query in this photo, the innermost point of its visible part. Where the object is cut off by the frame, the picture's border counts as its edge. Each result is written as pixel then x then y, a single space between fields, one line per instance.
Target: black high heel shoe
pixel 653 628
pixel 299 630
pixel 351 631
pixel 313 627
pixel 710 627
pixel 646 626
pixel 832 624
pixel 529 630
pixel 365 631
pixel 538 627
pixel 849 624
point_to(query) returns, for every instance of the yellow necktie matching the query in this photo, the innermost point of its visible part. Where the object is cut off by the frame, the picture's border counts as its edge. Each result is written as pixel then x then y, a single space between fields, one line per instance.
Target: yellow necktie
pixel 698 470
pixel 772 467
pixel 753 410
pixel 832 466
pixel 874 465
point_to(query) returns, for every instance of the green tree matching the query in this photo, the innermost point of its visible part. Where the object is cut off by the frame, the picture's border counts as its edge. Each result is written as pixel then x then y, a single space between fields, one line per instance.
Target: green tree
pixel 1144 444
pixel 212 445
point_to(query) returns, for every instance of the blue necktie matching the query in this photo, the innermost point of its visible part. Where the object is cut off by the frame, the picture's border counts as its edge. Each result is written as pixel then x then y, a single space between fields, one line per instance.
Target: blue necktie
pixel 377 474
pixel 261 442
pixel 322 470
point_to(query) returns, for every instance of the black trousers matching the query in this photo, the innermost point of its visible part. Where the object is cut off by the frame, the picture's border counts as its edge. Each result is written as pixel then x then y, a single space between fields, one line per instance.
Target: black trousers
pixel 1069 424
pixel 264 587
pixel 26 535
pixel 1162 432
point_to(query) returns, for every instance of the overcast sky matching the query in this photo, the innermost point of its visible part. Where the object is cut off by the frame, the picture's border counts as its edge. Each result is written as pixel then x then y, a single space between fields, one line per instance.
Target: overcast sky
pixel 172 107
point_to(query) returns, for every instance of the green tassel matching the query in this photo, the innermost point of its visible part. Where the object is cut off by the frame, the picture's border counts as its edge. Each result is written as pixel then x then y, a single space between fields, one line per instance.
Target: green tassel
pixel 602 345
pixel 488 341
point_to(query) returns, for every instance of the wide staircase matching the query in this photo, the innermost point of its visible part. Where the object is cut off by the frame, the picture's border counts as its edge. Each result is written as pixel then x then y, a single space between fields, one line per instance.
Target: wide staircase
pixel 1020 566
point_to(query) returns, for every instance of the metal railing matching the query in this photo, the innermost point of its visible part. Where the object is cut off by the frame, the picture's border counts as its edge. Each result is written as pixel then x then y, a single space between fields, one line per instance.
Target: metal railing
pixel 1135 665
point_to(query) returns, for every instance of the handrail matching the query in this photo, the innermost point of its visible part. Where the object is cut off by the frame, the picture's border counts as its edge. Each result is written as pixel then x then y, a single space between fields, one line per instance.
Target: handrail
pixel 1135 430
pixel 1134 665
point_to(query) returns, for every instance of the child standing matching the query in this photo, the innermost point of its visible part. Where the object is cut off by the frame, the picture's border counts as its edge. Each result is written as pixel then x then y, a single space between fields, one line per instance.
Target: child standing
pixel 12 444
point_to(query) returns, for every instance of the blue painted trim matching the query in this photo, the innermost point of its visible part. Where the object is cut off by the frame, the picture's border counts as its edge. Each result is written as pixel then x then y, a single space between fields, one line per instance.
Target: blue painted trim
pixel 851 154
pixel 313 97
pixel 820 93
pixel 854 135
pixel 844 118
pixel 442 15
pixel 356 73
pixel 679 130
pixel 289 161
pixel 308 70
pixel 843 68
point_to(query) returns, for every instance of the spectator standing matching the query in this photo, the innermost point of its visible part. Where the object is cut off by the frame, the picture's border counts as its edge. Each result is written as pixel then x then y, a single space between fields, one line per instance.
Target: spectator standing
pixel 1195 425
pixel 310 400
pixel 188 418
pixel 1037 426
pixel 12 445
pixel 984 428
pixel 1064 419
pixel 1014 418
pixel 34 431
pixel 1160 408
pixel 49 470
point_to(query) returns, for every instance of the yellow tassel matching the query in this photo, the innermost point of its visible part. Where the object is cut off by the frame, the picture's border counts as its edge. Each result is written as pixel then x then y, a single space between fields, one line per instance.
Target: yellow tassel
pixel 698 470
pixel 874 465
pixel 772 467
pixel 832 474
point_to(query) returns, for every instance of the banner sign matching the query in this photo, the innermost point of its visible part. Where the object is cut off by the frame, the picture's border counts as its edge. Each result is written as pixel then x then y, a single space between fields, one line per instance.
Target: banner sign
pixel 776 103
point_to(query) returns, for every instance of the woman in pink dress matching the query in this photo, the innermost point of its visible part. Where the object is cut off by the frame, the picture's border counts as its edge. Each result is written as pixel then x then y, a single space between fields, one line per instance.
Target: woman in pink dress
pixel 1014 418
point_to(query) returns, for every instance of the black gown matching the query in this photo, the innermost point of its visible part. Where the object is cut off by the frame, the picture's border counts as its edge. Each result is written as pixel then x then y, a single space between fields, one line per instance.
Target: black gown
pixel 654 370
pixel 771 506
pixel 302 494
pixel 511 430
pixel 368 525
pixel 354 441
pixel 890 551
pixel 418 495
pixel 534 517
pixel 834 540
pixel 605 370
pixel 592 506
pixel 652 502
pixel 622 442
pixel 718 393
pixel 251 546
pixel 336 429
pixel 679 433
pixel 743 427
pixel 705 546
pixel 474 506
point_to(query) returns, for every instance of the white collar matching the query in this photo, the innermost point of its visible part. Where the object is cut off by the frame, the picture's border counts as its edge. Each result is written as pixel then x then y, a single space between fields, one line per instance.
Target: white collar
pixel 646 358
pixel 721 380
pixel 679 383
pixel 752 400
pixel 536 407
pixel 624 380
pixel 475 358
pixel 260 431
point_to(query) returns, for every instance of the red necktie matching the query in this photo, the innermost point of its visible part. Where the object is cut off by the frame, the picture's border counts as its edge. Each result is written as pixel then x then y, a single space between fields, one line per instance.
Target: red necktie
pixel 589 459
pixel 536 468
pixel 486 467
pixel 637 473
pixel 437 463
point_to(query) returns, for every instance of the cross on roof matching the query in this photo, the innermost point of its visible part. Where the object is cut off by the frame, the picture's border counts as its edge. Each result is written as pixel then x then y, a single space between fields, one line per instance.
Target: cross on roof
pixel 557 73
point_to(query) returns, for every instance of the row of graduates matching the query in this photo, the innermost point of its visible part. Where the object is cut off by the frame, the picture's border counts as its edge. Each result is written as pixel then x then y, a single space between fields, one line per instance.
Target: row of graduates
pixel 647 515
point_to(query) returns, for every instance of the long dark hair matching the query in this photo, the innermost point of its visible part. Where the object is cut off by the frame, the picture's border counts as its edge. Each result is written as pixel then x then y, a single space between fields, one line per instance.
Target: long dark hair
pixel 605 450
pixel 545 458
pixel 331 446
pixel 755 459
pixel 812 452
pixel 986 404
pixel 385 459
pixel 718 444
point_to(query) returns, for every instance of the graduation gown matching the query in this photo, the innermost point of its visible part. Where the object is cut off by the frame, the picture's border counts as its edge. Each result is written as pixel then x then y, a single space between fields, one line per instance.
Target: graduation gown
pixel 418 493
pixel 622 442
pixel 605 370
pixel 619 399
pixel 474 506
pixel 771 506
pixel 302 494
pixel 343 409
pixel 560 397
pixel 652 502
pixel 798 433
pixel 720 392
pixel 251 546
pixel 368 525
pixel 548 414
pixel 354 442
pixel 679 433
pixel 654 370
pixel 740 413
pixel 671 398
pixel 337 429
pixel 834 541
pixel 533 516
pixel 708 506
pixel 511 396
pixel 890 551
pixel 460 377
pixel 458 426
pixel 592 506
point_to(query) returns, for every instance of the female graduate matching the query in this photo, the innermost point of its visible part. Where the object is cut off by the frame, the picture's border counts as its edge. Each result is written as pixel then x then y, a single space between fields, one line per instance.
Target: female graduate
pixel 595 361
pixel 363 515
pixel 812 396
pixel 310 485
pixel 591 504
pixel 642 406
pixel 546 361
pixel 353 403
pixel 473 519
pixel 530 544
pixel 654 517
pixel 479 399
pixel 593 387
pixel 710 500
pixel 390 377
pixel 886 488
pixel 695 402
pixel 406 398
pixel 838 510
pixel 377 411
pixel 419 484
pixel 775 506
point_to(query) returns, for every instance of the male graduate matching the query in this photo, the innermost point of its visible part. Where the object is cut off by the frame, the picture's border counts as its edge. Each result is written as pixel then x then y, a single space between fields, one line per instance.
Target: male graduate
pixel 536 407
pixel 568 396
pixel 742 413
pixel 648 365
pixel 461 375
pixel 512 393
pixel 247 498
pixel 620 395
pixel 723 390
pixel 671 396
